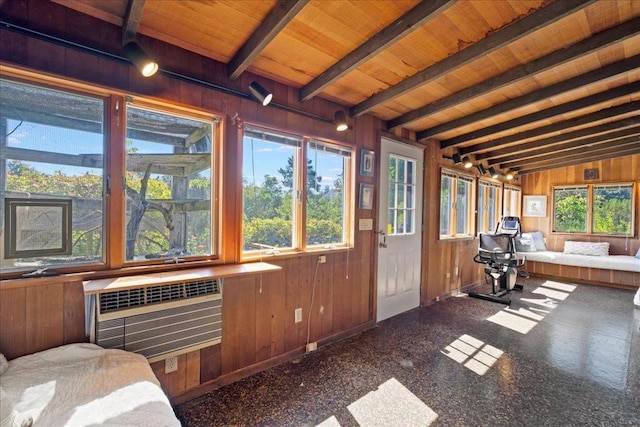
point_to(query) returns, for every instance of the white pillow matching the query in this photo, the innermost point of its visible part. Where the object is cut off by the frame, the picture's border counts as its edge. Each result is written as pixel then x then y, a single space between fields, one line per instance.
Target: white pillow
pixel 638 254
pixel 537 238
pixel 525 245
pixel 586 248
pixel 4 365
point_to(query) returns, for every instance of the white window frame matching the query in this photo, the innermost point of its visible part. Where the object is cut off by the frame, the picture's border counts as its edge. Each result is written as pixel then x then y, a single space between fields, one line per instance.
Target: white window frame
pixel 484 191
pixel 453 232
pixel 512 200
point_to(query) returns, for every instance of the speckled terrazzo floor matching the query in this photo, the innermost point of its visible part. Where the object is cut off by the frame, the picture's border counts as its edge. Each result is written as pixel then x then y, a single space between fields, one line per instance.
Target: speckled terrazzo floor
pixel 558 356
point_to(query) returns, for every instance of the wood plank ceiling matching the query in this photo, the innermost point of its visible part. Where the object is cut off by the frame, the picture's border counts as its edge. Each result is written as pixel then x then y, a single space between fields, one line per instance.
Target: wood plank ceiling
pixel 524 85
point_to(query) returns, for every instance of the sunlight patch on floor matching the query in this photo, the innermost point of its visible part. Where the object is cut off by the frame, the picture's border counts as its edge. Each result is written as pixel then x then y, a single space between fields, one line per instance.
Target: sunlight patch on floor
pixel 391 404
pixel 473 353
pixel 332 421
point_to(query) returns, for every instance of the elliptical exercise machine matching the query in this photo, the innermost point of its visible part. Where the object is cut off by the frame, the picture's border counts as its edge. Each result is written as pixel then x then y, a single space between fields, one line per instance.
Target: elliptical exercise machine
pixel 498 252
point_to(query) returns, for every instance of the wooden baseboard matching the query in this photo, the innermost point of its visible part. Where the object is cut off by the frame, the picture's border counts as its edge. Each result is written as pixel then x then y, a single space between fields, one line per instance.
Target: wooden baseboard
pixel 262 366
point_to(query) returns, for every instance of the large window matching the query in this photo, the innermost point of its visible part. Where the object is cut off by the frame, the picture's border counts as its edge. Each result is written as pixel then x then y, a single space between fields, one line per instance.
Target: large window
pixel 53 150
pixel 488 206
pixel 594 208
pixel 71 202
pixel 168 185
pixel 456 205
pixel 289 207
pixel 512 201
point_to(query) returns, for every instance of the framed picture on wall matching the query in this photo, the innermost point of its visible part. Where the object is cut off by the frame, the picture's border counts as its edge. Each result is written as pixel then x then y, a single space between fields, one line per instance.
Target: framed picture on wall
pixel 367 158
pixel 535 206
pixel 366 196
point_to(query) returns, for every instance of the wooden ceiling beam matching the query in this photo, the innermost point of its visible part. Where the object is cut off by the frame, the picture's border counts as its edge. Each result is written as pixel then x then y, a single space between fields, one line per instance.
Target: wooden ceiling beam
pixel 578 160
pixel 277 19
pixel 398 29
pixel 132 19
pixel 527 152
pixel 567 107
pixel 555 59
pixel 581 150
pixel 580 133
pixel 603 73
pixel 506 35
pixel 629 107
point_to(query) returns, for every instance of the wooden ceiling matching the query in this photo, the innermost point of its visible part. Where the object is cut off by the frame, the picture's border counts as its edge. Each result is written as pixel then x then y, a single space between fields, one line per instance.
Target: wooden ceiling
pixel 525 85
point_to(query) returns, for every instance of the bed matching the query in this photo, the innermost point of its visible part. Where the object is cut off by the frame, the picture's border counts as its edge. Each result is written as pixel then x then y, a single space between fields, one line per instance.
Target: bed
pixel 80 385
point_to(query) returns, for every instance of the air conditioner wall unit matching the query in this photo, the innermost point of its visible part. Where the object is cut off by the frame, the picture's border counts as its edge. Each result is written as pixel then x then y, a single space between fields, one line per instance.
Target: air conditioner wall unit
pixel 160 321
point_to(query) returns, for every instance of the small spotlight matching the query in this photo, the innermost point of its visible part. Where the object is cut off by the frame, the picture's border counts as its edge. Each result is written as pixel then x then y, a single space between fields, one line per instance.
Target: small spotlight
pixel 260 93
pixel 493 172
pixel 456 158
pixel 466 162
pixel 510 175
pixel 340 120
pixel 147 66
pixel 481 169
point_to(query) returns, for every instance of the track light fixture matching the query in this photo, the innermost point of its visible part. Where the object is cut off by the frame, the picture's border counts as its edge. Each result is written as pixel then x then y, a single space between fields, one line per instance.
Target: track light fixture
pixel 340 120
pixel 466 162
pixel 260 93
pixel 143 62
pixel 456 158
pixel 494 174
pixel 481 169
pixel 510 175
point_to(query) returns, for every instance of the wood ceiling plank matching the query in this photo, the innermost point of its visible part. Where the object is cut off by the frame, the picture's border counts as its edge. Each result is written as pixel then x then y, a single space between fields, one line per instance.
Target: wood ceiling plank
pixel 580 159
pixel 277 19
pixel 588 131
pixel 417 16
pixel 559 57
pixel 498 39
pixel 599 74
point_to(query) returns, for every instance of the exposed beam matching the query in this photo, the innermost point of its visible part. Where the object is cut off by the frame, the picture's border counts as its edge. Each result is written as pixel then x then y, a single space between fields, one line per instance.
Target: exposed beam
pixel 557 58
pixel 567 107
pixel 594 130
pixel 586 119
pixel 508 34
pixel 581 150
pixel 565 86
pixel 538 150
pixel 579 160
pixel 277 19
pixel 132 19
pixel 398 29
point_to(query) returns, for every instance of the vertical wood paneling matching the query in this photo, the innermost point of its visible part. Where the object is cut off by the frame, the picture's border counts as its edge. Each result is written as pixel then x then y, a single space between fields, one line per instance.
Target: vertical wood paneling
pixel 13 320
pixel 74 318
pixel 44 321
pixel 210 363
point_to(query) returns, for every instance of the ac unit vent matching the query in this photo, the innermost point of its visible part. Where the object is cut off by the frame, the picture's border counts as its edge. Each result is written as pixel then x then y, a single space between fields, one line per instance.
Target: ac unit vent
pixel 140 297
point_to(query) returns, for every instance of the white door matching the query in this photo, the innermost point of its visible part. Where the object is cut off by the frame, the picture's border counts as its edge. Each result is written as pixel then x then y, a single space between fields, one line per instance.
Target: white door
pixel 400 228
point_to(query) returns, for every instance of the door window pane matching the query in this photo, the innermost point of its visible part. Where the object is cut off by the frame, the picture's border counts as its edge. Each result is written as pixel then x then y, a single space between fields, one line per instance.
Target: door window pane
pixel 401 195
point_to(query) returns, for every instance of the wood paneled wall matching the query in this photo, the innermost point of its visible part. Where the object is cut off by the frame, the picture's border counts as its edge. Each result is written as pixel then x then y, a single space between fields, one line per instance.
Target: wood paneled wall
pixel 258 311
pixel 621 169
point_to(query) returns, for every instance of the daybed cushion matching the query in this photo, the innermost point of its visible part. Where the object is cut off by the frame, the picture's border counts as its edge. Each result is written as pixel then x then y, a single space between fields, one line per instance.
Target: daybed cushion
pixel 586 248
pixel 84 384
pixel 611 262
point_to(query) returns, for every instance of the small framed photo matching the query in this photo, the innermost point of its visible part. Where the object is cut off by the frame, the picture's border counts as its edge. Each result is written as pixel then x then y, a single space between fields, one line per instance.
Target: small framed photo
pixel 367 158
pixel 366 196
pixel 535 206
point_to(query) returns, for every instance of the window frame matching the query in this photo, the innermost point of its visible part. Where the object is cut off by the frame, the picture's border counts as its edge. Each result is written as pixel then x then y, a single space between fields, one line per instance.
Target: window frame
pixel 299 215
pixel 590 206
pixel 508 209
pixel 453 211
pixel 484 186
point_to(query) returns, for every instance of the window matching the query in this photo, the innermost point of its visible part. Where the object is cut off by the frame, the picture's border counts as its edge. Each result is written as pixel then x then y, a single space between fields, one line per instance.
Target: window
pixel 168 185
pixel 488 206
pixel 512 202
pixel 71 202
pixel 456 205
pixel 594 208
pixel 53 151
pixel 402 198
pixel 287 207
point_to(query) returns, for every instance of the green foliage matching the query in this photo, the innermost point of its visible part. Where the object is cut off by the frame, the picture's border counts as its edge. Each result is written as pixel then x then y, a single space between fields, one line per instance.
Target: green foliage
pixel 570 210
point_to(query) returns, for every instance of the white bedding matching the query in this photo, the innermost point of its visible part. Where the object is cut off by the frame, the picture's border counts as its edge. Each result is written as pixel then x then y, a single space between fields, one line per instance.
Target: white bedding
pixel 84 384
pixel 611 262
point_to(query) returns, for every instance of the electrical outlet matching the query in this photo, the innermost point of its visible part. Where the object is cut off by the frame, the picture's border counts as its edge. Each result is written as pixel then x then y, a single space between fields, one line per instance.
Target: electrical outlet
pixel 322 259
pixel 298 315
pixel 171 364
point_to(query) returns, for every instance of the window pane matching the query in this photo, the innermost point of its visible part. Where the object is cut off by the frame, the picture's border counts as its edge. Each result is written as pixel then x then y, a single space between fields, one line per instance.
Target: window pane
pixel 168 185
pixel 492 208
pixel 403 200
pixel 326 207
pixel 570 209
pixel 462 203
pixel 482 227
pixel 612 209
pixel 55 151
pixel 445 205
pixel 268 181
